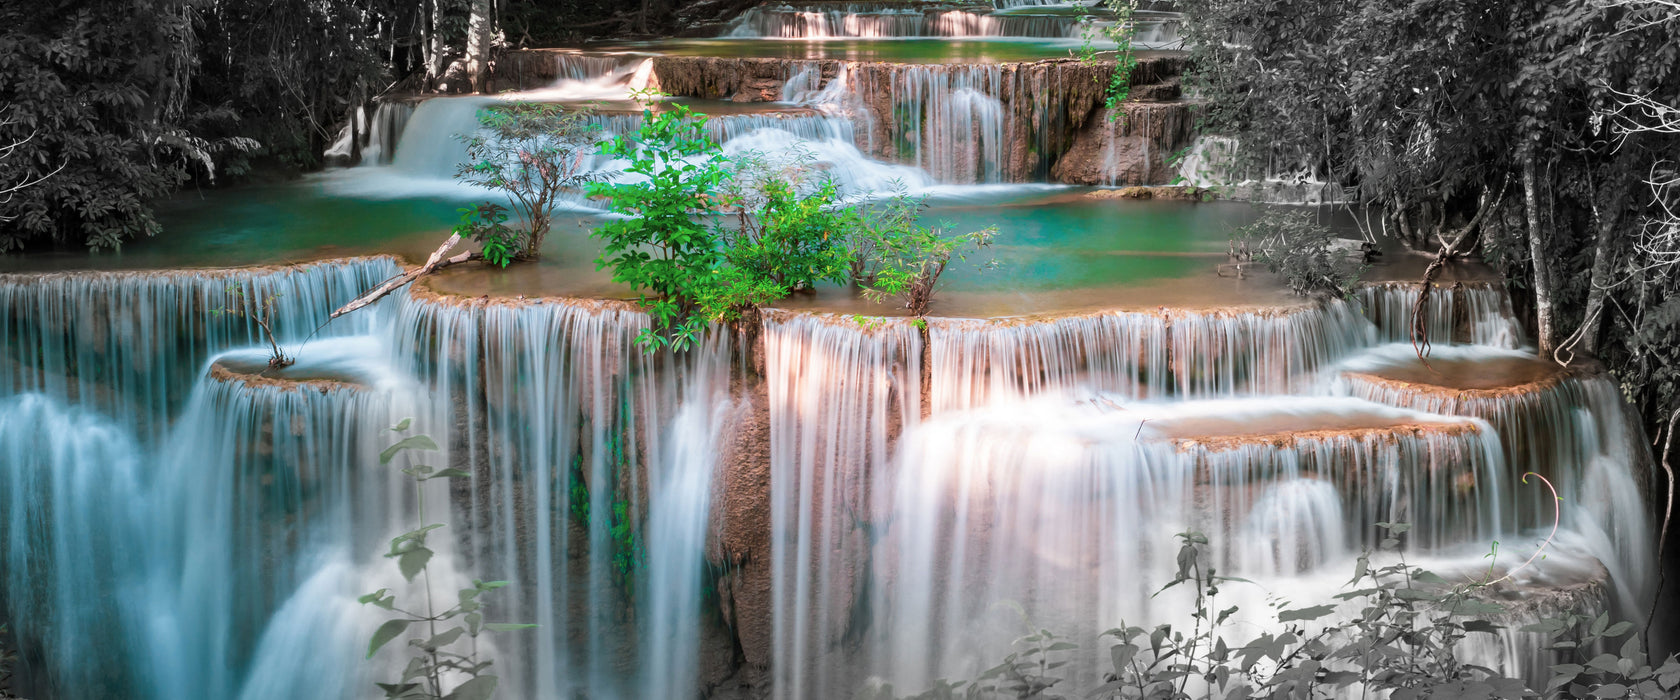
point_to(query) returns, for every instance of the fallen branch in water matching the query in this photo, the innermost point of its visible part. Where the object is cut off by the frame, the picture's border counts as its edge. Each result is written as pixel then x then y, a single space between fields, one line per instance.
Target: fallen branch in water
pixel 1461 243
pixel 434 263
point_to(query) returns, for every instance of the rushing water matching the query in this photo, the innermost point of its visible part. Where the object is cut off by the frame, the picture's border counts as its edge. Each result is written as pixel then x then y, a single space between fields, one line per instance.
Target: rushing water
pixel 906 503
pixel 808 505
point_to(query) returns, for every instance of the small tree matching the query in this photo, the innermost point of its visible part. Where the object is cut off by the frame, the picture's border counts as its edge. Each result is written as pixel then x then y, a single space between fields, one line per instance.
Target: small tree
pixel 263 313
pixel 1122 30
pixel 661 249
pixel 440 668
pixel 1311 259
pixel 894 254
pixel 788 233
pixel 533 153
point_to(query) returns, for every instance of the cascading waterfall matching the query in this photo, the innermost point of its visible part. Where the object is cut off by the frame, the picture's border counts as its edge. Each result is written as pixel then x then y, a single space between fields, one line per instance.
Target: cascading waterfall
pixel 1474 313
pixel 947 119
pixel 1211 162
pixel 886 21
pixel 1567 428
pixel 839 397
pixel 70 484
pixel 565 420
pixel 1223 353
pixel 227 535
pixel 128 345
pixel 179 570
pixel 1060 514
pixel 978 362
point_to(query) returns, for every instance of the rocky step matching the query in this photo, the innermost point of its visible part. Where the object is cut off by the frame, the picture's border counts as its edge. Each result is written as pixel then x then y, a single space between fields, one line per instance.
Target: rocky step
pixel 1530 402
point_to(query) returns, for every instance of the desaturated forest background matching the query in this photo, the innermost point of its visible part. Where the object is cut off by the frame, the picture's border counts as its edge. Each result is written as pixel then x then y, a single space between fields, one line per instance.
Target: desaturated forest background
pixel 1542 138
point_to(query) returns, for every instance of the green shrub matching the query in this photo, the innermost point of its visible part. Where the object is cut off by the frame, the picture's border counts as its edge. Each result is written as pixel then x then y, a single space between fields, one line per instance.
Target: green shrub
pixel 895 255
pixel 487 224
pixel 1311 259
pixel 790 230
pixel 445 664
pixel 1401 644
pixel 661 248
pixel 534 154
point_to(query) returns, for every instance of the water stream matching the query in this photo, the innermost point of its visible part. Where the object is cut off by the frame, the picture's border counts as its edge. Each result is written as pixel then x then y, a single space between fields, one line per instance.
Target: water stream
pixel 830 498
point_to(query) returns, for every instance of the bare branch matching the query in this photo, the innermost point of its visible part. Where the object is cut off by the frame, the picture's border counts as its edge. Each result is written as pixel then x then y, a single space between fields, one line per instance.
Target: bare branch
pixel 433 263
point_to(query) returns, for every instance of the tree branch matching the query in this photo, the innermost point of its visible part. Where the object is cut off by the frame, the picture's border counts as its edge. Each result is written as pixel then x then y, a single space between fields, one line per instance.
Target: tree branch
pixel 434 263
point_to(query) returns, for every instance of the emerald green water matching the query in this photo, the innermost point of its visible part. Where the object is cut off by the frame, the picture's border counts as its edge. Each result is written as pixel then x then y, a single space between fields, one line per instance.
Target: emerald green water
pixel 1055 247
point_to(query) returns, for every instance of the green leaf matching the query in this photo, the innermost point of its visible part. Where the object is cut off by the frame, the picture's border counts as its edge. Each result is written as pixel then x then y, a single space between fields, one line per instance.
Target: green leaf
pixel 386 632
pixel 506 626
pixel 413 561
pixel 480 688
pixel 451 473
pixel 397 690
pixel 402 425
pixel 414 442
pixel 1305 614
pixel 441 640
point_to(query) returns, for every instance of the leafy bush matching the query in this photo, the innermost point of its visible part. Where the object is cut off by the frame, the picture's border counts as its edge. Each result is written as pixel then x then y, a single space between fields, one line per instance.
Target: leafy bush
pixel 487 224
pixel 778 226
pixel 790 230
pixel 661 249
pixel 437 663
pixel 895 255
pixel 1400 643
pixel 90 115
pixel 1122 30
pixel 533 153
pixel 1311 259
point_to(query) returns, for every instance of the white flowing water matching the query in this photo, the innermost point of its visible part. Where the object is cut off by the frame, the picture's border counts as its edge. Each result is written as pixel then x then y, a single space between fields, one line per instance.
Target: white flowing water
pixel 892 21
pixel 177 526
pixel 929 489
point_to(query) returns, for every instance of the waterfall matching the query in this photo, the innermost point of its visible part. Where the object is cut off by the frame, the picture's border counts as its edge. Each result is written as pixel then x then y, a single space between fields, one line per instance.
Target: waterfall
pixel 888 21
pixel 1140 354
pixel 1211 163
pixel 1060 514
pixel 1569 429
pixel 561 414
pixel 839 396
pixel 179 520
pixel 260 479
pixel 189 570
pixel 380 133
pixel 129 344
pixel 70 484
pixel 1222 353
pixel 977 362
pixel 1474 313
pixel 429 148
pixel 582 77
pixel 680 507
pixel 946 119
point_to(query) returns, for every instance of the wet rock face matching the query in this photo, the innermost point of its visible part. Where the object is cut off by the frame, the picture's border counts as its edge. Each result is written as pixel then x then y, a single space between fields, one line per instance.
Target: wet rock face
pixel 1135 149
pixel 740 547
pixel 1015 122
pixel 736 79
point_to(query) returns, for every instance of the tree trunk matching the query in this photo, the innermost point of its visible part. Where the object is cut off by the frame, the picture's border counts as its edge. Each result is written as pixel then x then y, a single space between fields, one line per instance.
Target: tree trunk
pixel 1598 288
pixel 434 61
pixel 1537 250
pixel 1609 211
pixel 480 32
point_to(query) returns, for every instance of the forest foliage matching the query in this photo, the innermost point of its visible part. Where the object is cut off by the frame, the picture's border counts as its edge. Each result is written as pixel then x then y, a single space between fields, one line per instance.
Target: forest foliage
pixel 1542 135
pixel 110 105
pixel 705 237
